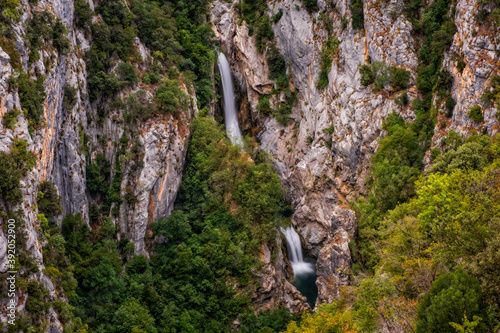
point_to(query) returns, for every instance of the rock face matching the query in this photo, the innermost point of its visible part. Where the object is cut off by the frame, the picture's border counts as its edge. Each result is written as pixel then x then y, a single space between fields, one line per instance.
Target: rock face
pixel 61 154
pixel 322 172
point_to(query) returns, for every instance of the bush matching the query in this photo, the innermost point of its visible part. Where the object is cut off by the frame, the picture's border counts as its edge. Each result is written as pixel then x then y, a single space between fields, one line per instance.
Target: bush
pixel 325 61
pixel 400 77
pixel 450 105
pixel 10 48
pixel 102 85
pixel 452 296
pixel 277 67
pixel 264 106
pixel 127 74
pixel 276 17
pixel 140 107
pixel 170 97
pixel 49 202
pixel 10 118
pixel 69 99
pixel 32 96
pixel 14 165
pixel 402 99
pixel 358 17
pixel 59 37
pixel 311 6
pixel 475 113
pixel 83 14
pixel 491 95
pixel 263 32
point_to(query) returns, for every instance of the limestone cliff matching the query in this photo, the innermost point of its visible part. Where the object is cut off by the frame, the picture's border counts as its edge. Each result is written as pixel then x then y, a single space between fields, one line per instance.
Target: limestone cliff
pixel 323 171
pixel 68 140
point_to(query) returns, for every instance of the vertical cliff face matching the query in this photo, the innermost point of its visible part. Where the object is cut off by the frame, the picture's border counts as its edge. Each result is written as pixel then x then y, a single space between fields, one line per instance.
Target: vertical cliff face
pixel 67 140
pixel 323 155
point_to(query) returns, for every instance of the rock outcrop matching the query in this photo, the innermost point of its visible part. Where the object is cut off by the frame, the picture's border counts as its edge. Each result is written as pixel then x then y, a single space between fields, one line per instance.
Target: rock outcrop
pixel 322 172
pixel 62 153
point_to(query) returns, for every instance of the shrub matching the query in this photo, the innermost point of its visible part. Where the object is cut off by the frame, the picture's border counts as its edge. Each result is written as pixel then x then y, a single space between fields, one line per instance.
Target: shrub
pixel 83 14
pixel 450 105
pixel 264 106
pixel 311 6
pixel 276 17
pixel 400 77
pixel 102 85
pixel 10 118
pixel 59 37
pixel 329 130
pixel 10 48
pixel 277 67
pixel 452 296
pixel 263 32
pixel 69 99
pixel 140 107
pixel 325 61
pixel 491 94
pixel 13 166
pixel 402 99
pixel 475 113
pixel 32 96
pixel 358 18
pixel 170 97
pixel 127 74
pixel 49 202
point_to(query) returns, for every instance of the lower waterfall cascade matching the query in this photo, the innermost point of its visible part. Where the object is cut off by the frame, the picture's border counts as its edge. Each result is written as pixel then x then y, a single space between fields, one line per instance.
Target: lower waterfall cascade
pixel 303 271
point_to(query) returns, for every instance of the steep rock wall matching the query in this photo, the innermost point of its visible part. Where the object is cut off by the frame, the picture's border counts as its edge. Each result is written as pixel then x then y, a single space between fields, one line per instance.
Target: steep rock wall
pixel 320 171
pixel 61 155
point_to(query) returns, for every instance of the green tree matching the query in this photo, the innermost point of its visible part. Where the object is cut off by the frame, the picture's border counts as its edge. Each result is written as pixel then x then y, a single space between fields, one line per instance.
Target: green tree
pixel 452 296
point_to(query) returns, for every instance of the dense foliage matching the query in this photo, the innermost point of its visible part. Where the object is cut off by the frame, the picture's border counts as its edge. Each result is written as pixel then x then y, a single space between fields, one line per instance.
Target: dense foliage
pixel 201 274
pixel 14 165
pixel 176 32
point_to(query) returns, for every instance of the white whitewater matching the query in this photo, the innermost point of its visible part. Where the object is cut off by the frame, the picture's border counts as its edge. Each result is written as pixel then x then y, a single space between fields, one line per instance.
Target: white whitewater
pixel 230 115
pixel 300 267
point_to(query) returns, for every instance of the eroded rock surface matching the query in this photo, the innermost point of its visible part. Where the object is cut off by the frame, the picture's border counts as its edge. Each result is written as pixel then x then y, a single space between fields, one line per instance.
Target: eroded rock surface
pixel 322 172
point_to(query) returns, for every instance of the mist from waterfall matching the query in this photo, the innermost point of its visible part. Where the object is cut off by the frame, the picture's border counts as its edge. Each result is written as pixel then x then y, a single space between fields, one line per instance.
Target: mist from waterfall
pixel 230 113
pixel 300 267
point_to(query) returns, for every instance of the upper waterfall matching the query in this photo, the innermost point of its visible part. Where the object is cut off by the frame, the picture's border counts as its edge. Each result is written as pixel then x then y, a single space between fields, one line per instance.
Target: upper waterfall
pixel 295 253
pixel 230 114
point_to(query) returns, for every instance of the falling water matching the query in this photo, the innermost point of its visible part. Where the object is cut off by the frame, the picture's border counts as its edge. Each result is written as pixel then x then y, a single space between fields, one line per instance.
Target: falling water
pixel 300 267
pixel 230 115
pixel 303 271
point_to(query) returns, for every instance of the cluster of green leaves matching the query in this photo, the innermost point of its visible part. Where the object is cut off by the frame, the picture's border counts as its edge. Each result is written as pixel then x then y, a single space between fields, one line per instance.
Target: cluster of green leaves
pixel 177 34
pixel 9 47
pixel 311 5
pixel 358 17
pixel 140 107
pixel 32 95
pixel 381 75
pixel 9 11
pixel 259 25
pixel 10 118
pixel 48 201
pixel 170 97
pixel 475 113
pixel 42 28
pixel 325 60
pixel 14 165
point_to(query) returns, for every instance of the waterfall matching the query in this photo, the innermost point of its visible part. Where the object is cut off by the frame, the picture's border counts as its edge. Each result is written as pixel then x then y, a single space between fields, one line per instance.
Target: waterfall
pixel 300 267
pixel 230 115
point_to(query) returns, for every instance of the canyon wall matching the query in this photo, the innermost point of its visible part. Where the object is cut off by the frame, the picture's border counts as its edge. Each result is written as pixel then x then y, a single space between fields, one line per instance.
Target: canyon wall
pixel 323 171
